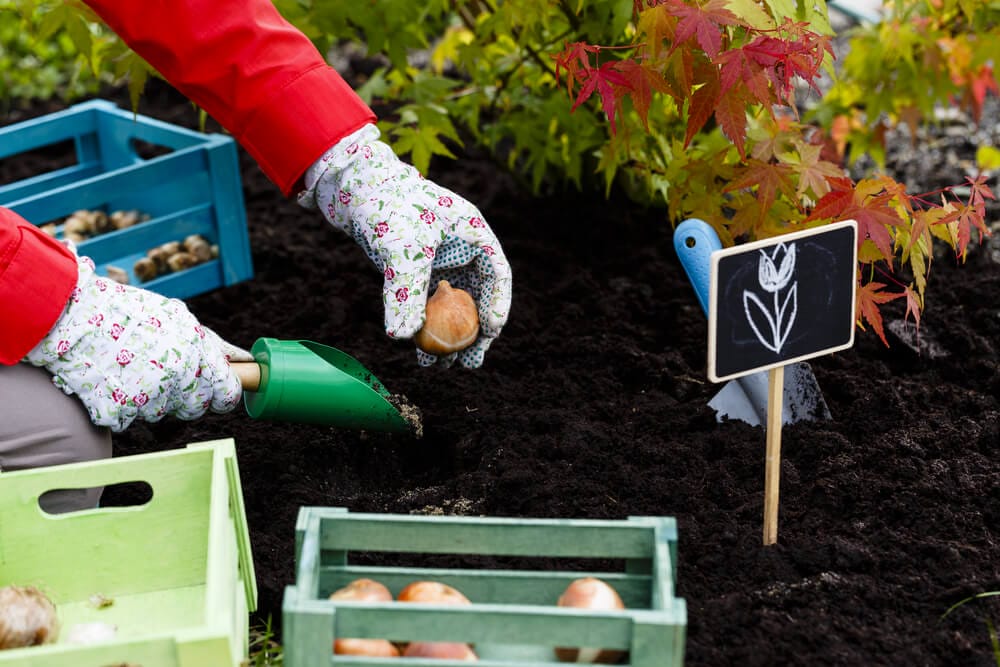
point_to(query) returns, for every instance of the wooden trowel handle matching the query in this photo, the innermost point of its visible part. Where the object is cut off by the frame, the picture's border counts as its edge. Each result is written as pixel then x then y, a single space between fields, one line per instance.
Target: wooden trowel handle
pixel 248 373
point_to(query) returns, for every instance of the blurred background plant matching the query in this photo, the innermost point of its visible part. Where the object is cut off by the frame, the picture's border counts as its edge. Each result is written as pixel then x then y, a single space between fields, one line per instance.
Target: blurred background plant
pixel 56 49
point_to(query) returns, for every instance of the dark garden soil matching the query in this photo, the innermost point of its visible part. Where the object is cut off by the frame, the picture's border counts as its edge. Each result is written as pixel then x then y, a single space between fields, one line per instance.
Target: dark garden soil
pixel 593 404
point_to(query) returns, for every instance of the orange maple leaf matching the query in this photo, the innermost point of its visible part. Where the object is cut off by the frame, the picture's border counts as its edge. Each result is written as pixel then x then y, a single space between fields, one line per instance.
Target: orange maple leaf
pixel 912 306
pixel 770 178
pixel 868 298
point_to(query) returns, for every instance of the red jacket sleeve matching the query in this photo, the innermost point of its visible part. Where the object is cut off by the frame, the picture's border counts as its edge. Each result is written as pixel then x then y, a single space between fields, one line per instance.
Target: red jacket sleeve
pixel 249 69
pixel 37 276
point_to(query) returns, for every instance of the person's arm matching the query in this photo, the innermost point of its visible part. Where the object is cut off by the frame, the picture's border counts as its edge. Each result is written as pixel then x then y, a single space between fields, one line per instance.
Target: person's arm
pixel 37 276
pixel 248 68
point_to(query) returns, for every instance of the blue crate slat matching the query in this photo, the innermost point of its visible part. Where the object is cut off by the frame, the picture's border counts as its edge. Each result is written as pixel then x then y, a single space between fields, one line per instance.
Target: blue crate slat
pixel 184 170
pixel 49 181
pixel 230 211
pixel 191 282
pixel 134 240
pixel 190 185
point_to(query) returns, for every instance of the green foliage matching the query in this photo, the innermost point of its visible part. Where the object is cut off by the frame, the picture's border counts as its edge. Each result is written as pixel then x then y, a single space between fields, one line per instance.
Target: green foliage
pixel 39 68
pixel 264 650
pixel 60 49
pixel 484 67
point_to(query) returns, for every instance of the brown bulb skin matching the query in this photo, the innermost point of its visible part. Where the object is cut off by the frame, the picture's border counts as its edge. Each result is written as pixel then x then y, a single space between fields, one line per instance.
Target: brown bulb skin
pixel 373 648
pixel 590 593
pixel 432 592
pixel 28 617
pixel 452 321
pixel 364 590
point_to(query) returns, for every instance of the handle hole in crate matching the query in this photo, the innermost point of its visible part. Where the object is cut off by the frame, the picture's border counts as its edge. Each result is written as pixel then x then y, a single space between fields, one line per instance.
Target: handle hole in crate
pixel 121 494
pixel 147 150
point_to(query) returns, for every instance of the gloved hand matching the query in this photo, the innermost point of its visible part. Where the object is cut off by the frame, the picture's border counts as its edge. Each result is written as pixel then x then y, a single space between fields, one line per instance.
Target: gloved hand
pixel 416 232
pixel 129 353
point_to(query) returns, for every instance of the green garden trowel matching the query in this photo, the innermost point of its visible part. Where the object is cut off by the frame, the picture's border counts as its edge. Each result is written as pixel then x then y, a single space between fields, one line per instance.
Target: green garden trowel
pixel 305 382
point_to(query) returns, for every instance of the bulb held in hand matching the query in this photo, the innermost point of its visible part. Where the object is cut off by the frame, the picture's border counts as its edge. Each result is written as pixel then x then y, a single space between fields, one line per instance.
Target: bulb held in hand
pixel 452 322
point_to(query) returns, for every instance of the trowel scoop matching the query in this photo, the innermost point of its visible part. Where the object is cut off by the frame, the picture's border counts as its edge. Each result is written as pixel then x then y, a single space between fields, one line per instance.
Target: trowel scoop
pixel 745 398
pixel 305 382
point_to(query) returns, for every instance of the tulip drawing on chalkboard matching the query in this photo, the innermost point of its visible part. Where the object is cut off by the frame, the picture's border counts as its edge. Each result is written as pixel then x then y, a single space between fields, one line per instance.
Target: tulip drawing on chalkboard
pixel 773 323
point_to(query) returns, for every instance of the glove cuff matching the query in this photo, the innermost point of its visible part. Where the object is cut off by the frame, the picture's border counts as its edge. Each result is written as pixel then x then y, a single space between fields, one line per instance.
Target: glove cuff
pixel 336 158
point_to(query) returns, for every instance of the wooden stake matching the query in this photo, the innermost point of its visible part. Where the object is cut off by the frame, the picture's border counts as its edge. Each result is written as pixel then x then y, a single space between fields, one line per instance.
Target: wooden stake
pixel 772 461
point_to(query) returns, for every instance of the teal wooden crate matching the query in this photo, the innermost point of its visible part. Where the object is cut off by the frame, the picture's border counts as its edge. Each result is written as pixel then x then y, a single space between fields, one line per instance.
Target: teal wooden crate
pixel 177 570
pixel 513 620
pixel 190 185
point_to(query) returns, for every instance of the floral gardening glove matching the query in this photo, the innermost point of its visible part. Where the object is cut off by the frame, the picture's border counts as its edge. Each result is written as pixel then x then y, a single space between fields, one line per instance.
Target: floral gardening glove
pixel 416 232
pixel 129 353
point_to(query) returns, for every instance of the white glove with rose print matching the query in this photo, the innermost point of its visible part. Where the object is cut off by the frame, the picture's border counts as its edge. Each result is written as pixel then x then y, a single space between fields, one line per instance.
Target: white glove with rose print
pixel 129 353
pixel 416 232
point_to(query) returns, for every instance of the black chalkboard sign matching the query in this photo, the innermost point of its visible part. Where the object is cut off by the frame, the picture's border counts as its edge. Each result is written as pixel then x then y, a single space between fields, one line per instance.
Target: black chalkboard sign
pixel 781 300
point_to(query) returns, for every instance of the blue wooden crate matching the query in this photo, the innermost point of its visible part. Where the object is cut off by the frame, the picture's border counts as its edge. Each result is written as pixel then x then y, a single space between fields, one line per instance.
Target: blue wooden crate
pixel 191 185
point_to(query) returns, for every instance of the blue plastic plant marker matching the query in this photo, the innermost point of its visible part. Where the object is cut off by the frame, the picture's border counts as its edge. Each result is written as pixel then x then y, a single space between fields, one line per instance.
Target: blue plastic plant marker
pixel 694 242
pixel 744 398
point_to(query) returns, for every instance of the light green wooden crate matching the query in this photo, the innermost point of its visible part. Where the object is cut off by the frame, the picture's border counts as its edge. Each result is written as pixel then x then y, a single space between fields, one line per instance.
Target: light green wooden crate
pixel 177 569
pixel 513 620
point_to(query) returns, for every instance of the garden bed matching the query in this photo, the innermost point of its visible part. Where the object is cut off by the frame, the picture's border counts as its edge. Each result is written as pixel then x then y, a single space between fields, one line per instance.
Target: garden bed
pixel 593 404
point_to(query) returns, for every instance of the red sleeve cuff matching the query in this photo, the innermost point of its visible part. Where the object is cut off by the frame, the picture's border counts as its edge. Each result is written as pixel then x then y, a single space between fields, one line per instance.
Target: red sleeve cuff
pixel 300 122
pixel 37 277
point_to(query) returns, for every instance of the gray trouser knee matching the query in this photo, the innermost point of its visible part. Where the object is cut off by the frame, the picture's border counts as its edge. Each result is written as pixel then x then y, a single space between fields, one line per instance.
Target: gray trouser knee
pixel 42 426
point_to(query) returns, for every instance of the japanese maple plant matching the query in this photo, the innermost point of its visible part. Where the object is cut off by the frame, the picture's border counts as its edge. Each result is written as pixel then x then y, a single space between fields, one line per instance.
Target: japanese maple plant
pixel 733 67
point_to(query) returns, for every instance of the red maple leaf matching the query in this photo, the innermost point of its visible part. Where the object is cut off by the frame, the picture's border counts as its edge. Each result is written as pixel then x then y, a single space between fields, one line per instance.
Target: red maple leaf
pixel 770 178
pixel 799 55
pixel 867 203
pixel 703 22
pixel 703 100
pixel 643 80
pixel 731 113
pixel 736 67
pixel 971 214
pixel 980 84
pixel 609 83
pixel 574 58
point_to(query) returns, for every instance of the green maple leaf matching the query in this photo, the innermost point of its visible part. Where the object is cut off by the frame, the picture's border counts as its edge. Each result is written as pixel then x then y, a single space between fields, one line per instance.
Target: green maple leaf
pixel 814 172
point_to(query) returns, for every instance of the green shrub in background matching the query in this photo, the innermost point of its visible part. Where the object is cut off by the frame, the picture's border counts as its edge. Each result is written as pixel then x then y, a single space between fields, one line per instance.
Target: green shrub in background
pixel 58 49
pixel 32 69
pixel 485 67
